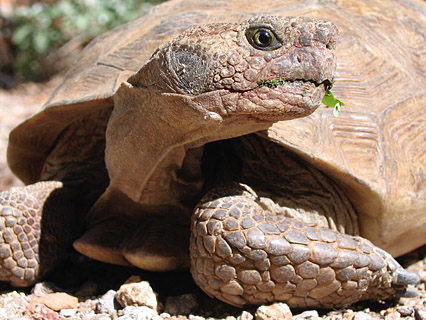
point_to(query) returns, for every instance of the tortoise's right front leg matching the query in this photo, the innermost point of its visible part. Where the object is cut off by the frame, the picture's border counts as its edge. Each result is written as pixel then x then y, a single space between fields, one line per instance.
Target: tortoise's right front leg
pixel 31 238
pixel 243 254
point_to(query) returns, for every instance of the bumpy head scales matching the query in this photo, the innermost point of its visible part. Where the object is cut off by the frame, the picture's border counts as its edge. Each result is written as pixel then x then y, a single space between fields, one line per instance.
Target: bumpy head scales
pixel 269 67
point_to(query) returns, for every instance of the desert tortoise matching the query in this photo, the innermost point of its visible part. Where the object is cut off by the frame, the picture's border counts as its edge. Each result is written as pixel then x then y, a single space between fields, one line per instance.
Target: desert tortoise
pixel 181 124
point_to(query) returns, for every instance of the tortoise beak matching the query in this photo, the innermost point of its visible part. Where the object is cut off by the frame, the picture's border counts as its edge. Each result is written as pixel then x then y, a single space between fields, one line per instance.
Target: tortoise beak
pixel 308 64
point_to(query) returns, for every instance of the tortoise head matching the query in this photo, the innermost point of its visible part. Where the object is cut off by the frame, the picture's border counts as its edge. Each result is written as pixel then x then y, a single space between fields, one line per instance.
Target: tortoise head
pixel 216 82
pixel 269 68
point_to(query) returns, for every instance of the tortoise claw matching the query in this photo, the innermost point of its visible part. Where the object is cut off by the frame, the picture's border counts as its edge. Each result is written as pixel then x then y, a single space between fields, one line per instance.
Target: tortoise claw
pixel 401 276
pixel 404 277
pixel 408 293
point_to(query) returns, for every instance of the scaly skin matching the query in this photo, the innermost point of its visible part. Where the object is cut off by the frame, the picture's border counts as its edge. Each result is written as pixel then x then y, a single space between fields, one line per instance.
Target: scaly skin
pixel 39 222
pixel 243 254
pixel 20 218
pixel 200 87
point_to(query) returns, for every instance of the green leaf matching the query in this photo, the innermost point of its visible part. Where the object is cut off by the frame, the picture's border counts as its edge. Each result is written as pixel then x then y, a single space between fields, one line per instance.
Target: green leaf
pixel 336 109
pixel 332 102
pixel 40 29
pixel 41 42
pixel 21 34
pixel 274 83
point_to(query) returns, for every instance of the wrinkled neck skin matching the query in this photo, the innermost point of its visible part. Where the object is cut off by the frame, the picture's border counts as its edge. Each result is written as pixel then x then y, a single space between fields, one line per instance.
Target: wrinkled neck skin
pixel 184 97
pixel 148 129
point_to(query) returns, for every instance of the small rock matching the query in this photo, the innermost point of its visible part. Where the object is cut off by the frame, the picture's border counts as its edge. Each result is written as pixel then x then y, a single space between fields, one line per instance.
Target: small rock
pixel 3 313
pixel 14 302
pixel 276 311
pixel 393 316
pixel 361 316
pixel 335 317
pixel 348 315
pixel 139 313
pixel 245 315
pixel 133 279
pixel 419 313
pixel 57 301
pixel 43 288
pixel 137 294
pixel 106 303
pixel 309 314
pixel 405 311
pixel 87 307
pixel 96 317
pixel 181 305
pixel 38 311
pixel 68 313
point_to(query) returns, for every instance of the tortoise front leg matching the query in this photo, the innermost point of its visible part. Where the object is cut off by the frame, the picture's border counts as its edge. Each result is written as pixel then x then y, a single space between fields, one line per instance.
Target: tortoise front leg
pixel 242 254
pixel 36 225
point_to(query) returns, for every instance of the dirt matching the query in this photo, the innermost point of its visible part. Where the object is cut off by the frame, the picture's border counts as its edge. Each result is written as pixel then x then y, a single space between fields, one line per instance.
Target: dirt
pixel 94 282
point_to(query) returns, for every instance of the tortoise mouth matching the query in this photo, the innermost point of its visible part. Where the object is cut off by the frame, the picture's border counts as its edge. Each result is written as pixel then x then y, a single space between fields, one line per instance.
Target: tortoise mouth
pixel 276 82
pixel 299 91
pixel 285 99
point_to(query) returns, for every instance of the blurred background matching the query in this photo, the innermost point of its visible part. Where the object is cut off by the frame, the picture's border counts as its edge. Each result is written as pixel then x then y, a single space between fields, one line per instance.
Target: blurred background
pixel 39 38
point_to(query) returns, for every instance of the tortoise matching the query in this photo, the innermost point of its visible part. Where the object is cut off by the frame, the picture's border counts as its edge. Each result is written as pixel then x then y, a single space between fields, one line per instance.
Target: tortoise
pixel 185 126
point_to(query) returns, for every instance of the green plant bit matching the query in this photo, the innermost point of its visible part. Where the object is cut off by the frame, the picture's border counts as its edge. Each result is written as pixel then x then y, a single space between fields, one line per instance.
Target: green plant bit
pixel 332 102
pixel 39 31
pixel 274 83
pixel 329 99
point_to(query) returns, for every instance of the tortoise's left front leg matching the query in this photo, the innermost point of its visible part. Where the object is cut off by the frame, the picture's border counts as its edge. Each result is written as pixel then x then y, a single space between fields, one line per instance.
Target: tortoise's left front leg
pixel 243 254
pixel 34 231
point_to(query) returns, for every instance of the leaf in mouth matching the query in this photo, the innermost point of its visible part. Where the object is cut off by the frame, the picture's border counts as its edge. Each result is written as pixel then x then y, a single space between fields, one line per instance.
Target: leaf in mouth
pixel 273 83
pixel 329 99
pixel 332 102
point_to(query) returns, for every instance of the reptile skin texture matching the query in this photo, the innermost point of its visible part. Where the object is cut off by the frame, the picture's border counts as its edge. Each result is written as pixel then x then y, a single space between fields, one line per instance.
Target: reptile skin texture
pixel 20 222
pixel 242 254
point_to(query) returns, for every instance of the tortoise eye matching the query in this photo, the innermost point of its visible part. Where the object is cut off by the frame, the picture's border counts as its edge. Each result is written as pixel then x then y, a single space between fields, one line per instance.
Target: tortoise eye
pixel 263 39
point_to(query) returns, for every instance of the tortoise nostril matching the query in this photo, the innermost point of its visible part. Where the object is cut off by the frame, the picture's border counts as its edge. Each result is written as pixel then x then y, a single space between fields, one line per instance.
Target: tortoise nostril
pixel 299 59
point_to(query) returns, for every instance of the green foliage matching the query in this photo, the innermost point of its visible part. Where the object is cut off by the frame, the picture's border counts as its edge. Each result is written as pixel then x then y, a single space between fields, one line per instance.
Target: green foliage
pixel 329 99
pixel 274 83
pixel 41 29
pixel 332 102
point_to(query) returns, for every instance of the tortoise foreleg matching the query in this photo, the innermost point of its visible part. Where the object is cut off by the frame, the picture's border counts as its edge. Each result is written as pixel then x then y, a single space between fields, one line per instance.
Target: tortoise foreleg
pixel 21 211
pixel 243 254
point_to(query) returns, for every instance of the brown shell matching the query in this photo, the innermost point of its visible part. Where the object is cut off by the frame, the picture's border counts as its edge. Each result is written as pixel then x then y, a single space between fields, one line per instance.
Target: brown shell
pixel 376 148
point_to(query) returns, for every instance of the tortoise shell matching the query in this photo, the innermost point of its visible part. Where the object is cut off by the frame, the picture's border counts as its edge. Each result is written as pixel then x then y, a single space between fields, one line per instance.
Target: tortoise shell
pixel 375 149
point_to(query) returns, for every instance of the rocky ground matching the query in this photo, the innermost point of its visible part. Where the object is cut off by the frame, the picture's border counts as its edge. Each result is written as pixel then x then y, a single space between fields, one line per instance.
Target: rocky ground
pixel 85 289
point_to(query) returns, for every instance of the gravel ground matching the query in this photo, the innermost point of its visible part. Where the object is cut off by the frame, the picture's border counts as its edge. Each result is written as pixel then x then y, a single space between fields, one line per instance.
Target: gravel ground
pixel 85 289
